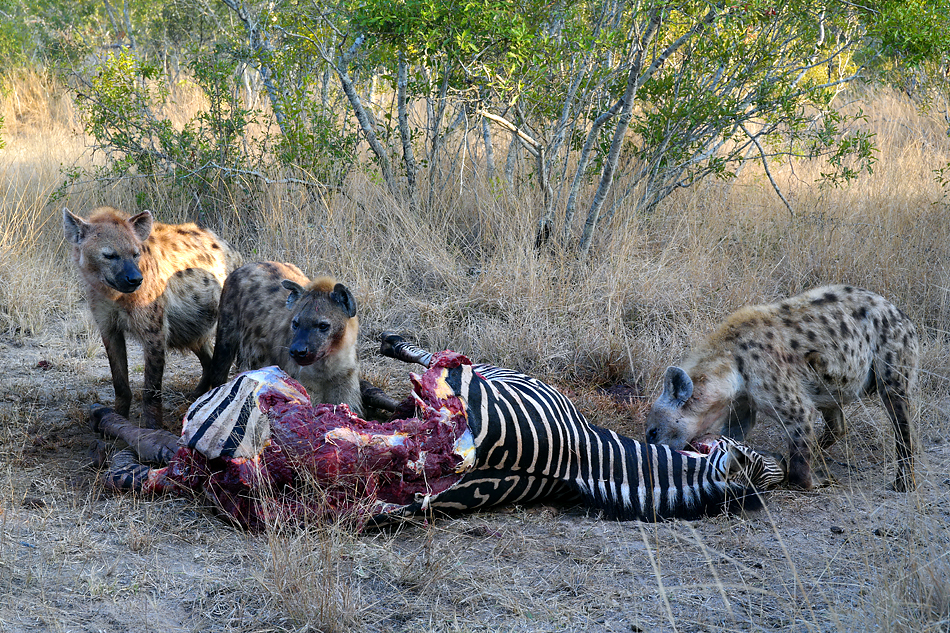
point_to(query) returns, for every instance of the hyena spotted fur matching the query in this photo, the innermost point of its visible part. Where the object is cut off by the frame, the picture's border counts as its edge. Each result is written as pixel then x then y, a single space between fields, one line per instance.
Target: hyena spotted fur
pixel 272 314
pixel 795 361
pixel 158 282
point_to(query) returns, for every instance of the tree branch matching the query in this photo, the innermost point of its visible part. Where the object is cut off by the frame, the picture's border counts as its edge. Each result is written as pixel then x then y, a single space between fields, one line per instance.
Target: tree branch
pixel 765 164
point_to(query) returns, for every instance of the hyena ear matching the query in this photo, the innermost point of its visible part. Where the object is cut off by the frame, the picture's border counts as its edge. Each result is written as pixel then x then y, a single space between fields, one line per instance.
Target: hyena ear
pixel 296 291
pixel 74 227
pixel 677 385
pixel 142 225
pixel 343 297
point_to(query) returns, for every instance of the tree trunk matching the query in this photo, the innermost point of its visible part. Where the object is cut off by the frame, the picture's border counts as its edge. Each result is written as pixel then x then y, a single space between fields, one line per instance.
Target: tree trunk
pixel 259 44
pixel 634 80
pixel 402 112
pixel 623 122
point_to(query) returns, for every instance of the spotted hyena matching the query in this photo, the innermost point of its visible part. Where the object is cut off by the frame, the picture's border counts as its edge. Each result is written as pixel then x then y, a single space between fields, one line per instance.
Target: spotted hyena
pixel 158 282
pixel 795 361
pixel 271 314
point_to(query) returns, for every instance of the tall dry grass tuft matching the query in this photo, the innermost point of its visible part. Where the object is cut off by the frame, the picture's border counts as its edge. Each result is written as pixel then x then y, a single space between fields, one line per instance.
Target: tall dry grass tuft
pixel 308 573
pixel 913 593
pixel 307 566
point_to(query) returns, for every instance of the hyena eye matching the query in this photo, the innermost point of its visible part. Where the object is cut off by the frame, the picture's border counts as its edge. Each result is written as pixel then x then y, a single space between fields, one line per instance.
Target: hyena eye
pixel 324 327
pixel 295 324
pixel 110 255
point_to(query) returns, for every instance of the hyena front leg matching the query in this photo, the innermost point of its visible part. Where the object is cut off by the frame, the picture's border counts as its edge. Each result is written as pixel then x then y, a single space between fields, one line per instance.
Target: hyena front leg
pixel 801 442
pixel 154 369
pixel 205 355
pixel 227 341
pixel 114 342
pixel 834 426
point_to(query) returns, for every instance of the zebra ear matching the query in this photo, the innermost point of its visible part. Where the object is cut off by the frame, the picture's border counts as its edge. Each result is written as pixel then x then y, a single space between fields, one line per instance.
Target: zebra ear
pixel 296 291
pixel 677 385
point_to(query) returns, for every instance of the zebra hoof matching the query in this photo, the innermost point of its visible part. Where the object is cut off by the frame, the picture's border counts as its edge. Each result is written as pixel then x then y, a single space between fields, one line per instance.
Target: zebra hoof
pixel 388 342
pixel 97 454
pixel 96 413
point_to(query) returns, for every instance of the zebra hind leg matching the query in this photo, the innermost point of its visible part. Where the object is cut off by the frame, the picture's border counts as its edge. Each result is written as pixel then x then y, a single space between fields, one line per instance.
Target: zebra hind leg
pixel 395 346
pixel 125 472
pixel 157 446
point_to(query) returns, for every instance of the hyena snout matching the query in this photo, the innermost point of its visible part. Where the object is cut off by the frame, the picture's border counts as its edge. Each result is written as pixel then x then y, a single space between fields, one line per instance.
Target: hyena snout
pixel 127 277
pixel 655 435
pixel 310 343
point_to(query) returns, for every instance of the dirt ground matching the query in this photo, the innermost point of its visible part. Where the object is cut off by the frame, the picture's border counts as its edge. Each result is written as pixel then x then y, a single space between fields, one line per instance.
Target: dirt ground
pixel 74 557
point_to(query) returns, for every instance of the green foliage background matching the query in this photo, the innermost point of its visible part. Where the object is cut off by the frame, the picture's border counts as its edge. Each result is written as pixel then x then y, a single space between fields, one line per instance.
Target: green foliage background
pixel 719 84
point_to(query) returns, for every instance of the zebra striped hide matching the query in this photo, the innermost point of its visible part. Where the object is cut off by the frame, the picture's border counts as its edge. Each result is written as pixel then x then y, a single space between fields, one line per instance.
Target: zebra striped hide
pixel 531 443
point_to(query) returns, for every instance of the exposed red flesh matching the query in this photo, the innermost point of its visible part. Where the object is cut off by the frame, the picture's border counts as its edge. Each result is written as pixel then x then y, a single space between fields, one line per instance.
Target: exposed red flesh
pixel 343 457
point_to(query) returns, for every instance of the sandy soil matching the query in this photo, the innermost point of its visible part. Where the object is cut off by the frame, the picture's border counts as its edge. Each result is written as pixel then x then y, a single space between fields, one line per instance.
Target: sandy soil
pixel 73 557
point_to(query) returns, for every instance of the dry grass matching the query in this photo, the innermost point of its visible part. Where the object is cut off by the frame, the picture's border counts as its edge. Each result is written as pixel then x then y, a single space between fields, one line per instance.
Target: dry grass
pixel 850 558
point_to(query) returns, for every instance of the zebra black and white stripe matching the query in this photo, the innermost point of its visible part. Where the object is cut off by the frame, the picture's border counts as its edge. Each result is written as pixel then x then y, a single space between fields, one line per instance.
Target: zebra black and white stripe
pixel 532 443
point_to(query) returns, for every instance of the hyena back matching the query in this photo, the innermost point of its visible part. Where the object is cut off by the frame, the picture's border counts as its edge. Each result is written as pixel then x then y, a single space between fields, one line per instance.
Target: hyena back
pixel 158 282
pixel 272 314
pixel 796 361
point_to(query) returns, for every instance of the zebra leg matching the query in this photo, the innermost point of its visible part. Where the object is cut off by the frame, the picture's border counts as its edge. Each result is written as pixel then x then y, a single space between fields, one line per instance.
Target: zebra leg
pixel 376 398
pixel 151 445
pixel 397 347
pixel 126 473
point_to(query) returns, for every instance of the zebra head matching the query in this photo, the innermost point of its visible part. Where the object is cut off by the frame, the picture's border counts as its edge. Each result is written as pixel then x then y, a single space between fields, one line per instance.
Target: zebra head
pixel 738 462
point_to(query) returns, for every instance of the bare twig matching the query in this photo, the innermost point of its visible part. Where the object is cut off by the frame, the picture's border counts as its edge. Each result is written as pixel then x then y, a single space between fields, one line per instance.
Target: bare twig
pixel 765 164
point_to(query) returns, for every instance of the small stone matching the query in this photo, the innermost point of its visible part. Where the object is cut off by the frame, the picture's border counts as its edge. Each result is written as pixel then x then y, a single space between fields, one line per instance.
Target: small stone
pixel 837 529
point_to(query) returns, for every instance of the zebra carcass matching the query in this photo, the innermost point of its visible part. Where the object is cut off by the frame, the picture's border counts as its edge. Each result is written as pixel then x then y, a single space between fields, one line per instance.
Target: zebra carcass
pixel 468 436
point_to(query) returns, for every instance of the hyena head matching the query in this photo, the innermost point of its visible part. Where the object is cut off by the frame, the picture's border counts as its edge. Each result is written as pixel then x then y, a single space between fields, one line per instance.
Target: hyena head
pixel 108 247
pixel 674 419
pixel 324 320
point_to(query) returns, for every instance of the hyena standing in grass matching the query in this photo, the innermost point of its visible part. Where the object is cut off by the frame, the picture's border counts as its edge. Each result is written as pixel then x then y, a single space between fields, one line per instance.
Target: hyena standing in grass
pixel 158 282
pixel 272 314
pixel 795 361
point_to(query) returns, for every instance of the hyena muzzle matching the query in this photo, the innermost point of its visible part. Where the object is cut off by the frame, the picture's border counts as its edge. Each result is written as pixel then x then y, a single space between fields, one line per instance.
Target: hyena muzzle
pixel 272 314
pixel 158 282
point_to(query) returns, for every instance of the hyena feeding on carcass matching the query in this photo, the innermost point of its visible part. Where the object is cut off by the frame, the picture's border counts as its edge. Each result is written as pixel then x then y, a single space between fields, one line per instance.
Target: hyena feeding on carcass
pixel 272 314
pixel 795 361
pixel 158 282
